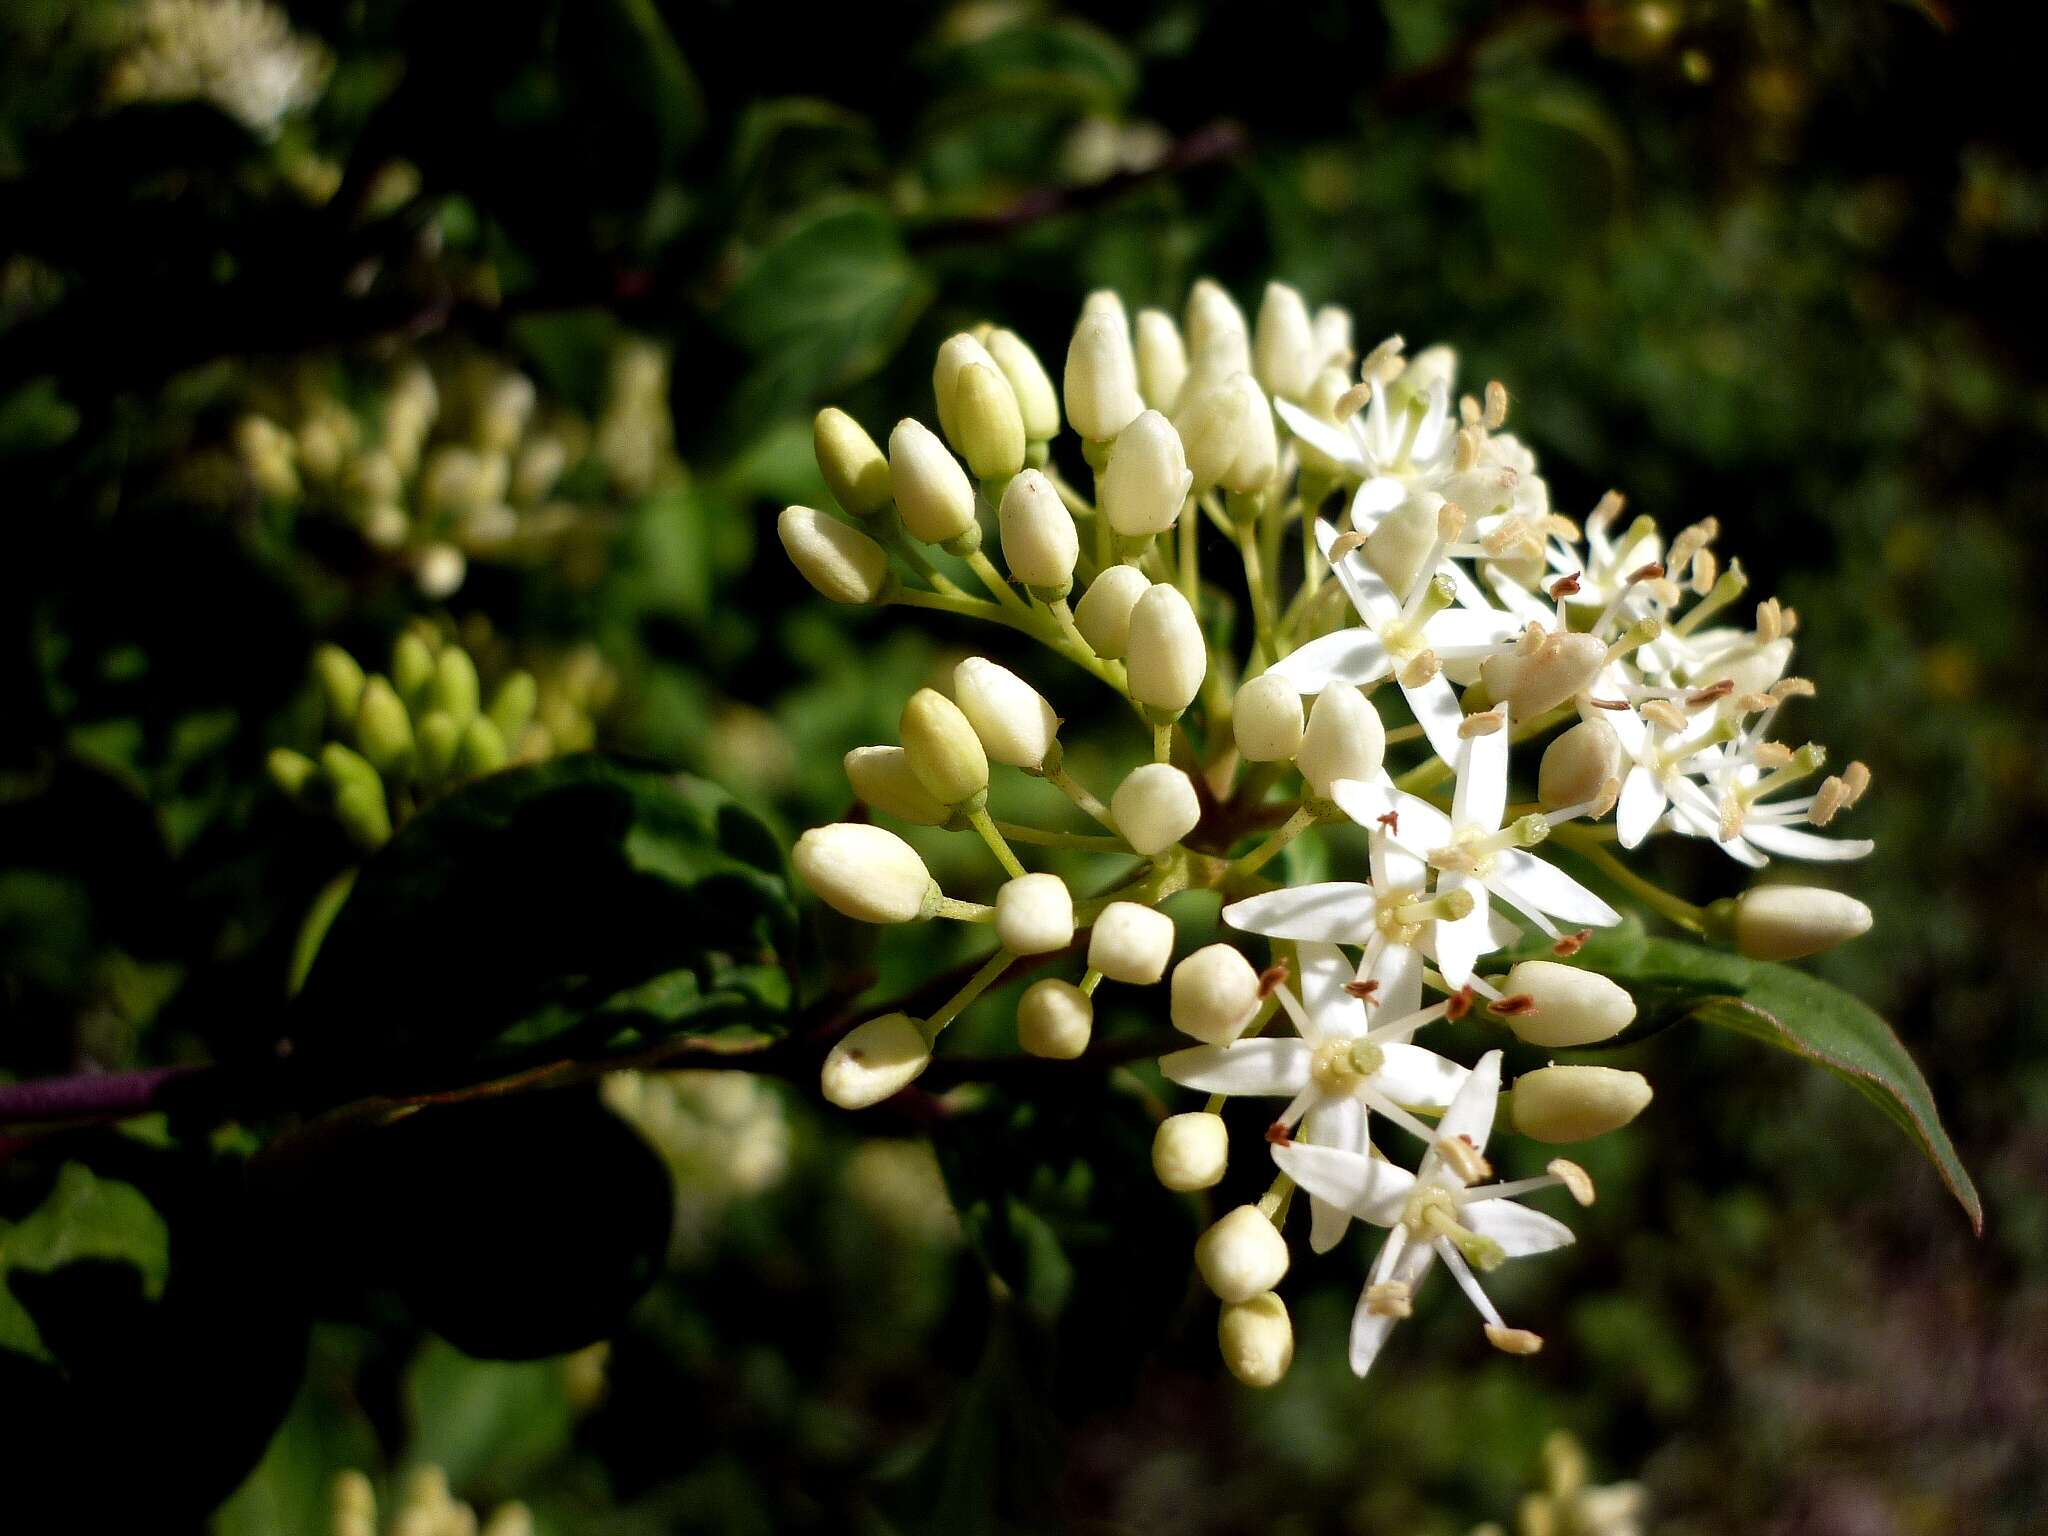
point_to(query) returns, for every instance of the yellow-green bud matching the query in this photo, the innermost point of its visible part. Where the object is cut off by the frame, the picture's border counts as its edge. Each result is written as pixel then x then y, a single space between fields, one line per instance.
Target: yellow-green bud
pixel 1155 807
pixel 455 687
pixel 341 684
pixel 1267 720
pixel 1566 1104
pixel 1167 656
pixel 932 491
pixel 1037 400
pixel 1162 360
pixel 359 801
pixel 956 354
pixel 1131 943
pixel 855 471
pixel 1040 542
pixel 945 754
pixel 839 562
pixel 1191 1151
pixel 877 1061
pixel 1242 1255
pixel 1215 994
pixel 1573 1006
pixel 512 706
pixel 1344 739
pixel 865 872
pixel 1146 480
pixel 1054 1019
pixel 383 728
pixel 1285 344
pixel 991 428
pixel 1035 915
pixel 482 750
pixel 881 777
pixel 1579 765
pixel 291 771
pixel 1104 613
pixel 1789 922
pixel 1016 726
pixel 440 737
pixel 1256 1338
pixel 412 666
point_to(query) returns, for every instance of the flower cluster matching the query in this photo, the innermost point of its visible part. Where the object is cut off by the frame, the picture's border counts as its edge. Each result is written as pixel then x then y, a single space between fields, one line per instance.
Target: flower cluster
pixel 242 55
pixel 1397 552
pixel 425 1507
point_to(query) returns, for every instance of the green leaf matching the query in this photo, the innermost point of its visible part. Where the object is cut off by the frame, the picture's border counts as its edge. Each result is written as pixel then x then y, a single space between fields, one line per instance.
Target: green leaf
pixel 86 1219
pixel 488 1422
pixel 1673 981
pixel 501 919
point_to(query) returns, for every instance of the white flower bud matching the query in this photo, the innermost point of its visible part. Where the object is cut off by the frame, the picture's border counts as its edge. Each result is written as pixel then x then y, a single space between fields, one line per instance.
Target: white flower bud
pixel 855 471
pixel 1565 1104
pixel 1102 376
pixel 842 563
pixel 945 753
pixel 1035 915
pixel 1573 1006
pixel 1579 765
pixel 956 354
pixel 1215 994
pixel 1054 1019
pixel 1344 739
pixel 1285 348
pixel 1040 542
pixel 1162 360
pixel 991 428
pixel 1219 342
pixel 1267 720
pixel 877 1061
pixel 1560 666
pixel 881 778
pixel 1789 922
pixel 1400 543
pixel 1191 1151
pixel 1334 346
pixel 1155 807
pixel 932 490
pixel 1258 450
pixel 1131 943
pixel 1146 479
pixel 1242 1255
pixel 1227 431
pixel 1104 613
pixel 1037 400
pixel 1166 654
pixel 1256 1338
pixel 1016 726
pixel 864 872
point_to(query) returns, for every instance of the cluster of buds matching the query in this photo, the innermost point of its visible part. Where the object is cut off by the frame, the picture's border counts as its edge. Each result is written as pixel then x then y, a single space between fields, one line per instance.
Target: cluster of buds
pixel 398 740
pixel 425 1507
pixel 461 460
pixel 241 55
pixel 1395 551
pixel 1569 1504
pixel 724 1136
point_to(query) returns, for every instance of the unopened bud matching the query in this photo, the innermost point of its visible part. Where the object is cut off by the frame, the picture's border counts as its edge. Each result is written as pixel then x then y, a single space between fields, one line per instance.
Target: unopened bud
pixel 383 728
pixel 1191 1151
pixel 1256 1338
pixel 455 687
pixel 1054 1020
pixel 481 750
pixel 1258 449
pixel 1334 347
pixel 1569 1005
pixel 841 563
pixel 1016 726
pixel 881 777
pixel 1267 719
pixel 1561 666
pixel 1147 478
pixel 1162 360
pixel 1104 613
pixel 1037 400
pixel 412 666
pixel 1035 915
pixel 864 872
pixel 932 491
pixel 1167 656
pixel 945 753
pixel 1102 376
pixel 1219 342
pixel 292 772
pixel 1215 994
pixel 1579 765
pixel 440 738
pixel 1242 1255
pixel 512 706
pixel 855 470
pixel 1344 739
pixel 1131 943
pixel 1212 429
pixel 1284 345
pixel 878 1060
pixel 1789 922
pixel 341 684
pixel 1040 542
pixel 990 427
pixel 1155 807
pixel 1565 1104
pixel 955 356
pixel 359 800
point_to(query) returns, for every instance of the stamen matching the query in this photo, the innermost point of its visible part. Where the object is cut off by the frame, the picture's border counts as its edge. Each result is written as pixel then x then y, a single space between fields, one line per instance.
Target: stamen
pixel 1483 724
pixel 1710 695
pixel 1792 688
pixel 1728 586
pixel 1391 820
pixel 1577 1182
pixel 1458 1004
pixel 1390 1298
pixel 1343 545
pixel 1832 795
pixel 1607 703
pixel 1705 569
pixel 1856 777
pixel 1662 712
pixel 1496 405
pixel 1653 571
pixel 1565 586
pixel 1272 977
pixel 1513 1341
pixel 1571 943
pixel 1463 1159
pixel 1420 669
pixel 1770 620
pixel 1363 991
pixel 1517 1006
pixel 1279 1135
pixel 1468 444
pixel 1605 511
pixel 1356 398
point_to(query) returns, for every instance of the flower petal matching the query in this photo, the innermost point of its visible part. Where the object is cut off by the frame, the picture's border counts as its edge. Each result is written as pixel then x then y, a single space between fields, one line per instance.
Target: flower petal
pixel 1367 589
pixel 1398 970
pixel 1642 802
pixel 1437 710
pixel 1459 944
pixel 1369 1329
pixel 1334 912
pixel 1325 971
pixel 1346 656
pixel 1332 1122
pixel 1264 1068
pixel 1459 633
pixel 1797 843
pixel 1516 1228
pixel 1374 499
pixel 1471 1113
pixel 1530 882
pixel 1370 1188
pixel 1331 441
pixel 1413 1076
pixel 1482 793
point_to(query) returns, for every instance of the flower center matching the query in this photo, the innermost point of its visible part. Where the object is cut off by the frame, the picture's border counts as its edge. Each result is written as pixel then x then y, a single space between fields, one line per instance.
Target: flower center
pixel 1339 1066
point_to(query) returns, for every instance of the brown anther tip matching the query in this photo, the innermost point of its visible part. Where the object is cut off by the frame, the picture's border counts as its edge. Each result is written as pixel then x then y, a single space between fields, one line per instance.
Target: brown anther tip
pixel 1278 1134
pixel 1392 822
pixel 1710 695
pixel 1363 990
pixel 1516 1005
pixel 1459 1003
pixel 1344 544
pixel 1608 703
pixel 1565 586
pixel 1571 943
pixel 1272 978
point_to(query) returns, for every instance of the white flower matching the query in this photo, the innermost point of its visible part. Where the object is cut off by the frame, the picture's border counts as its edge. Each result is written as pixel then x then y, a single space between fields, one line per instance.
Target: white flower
pixel 1436 1213
pixel 1403 436
pixel 1412 640
pixel 1339 1070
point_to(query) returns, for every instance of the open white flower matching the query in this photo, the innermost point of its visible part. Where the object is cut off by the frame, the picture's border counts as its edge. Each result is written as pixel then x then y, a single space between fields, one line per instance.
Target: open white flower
pixel 1435 1213
pixel 1403 435
pixel 1341 1068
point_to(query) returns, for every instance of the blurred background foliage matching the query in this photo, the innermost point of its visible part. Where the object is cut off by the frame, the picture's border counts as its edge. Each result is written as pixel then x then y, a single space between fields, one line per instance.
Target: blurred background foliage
pixel 1767 261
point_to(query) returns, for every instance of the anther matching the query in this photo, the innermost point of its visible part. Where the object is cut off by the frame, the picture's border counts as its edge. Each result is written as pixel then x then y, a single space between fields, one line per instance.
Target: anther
pixel 1272 978
pixel 1496 405
pixel 1464 1159
pixel 1363 990
pixel 1513 1341
pixel 1518 1005
pixel 1278 1134
pixel 1391 820
pixel 1577 1182
pixel 1857 779
pixel 1484 723
pixel 1565 586
pixel 1458 1004
pixel 1571 943
pixel 1343 545
pixel 1356 398
pixel 1420 669
pixel 1608 703
pixel 1653 571
pixel 1390 1298
pixel 1710 695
